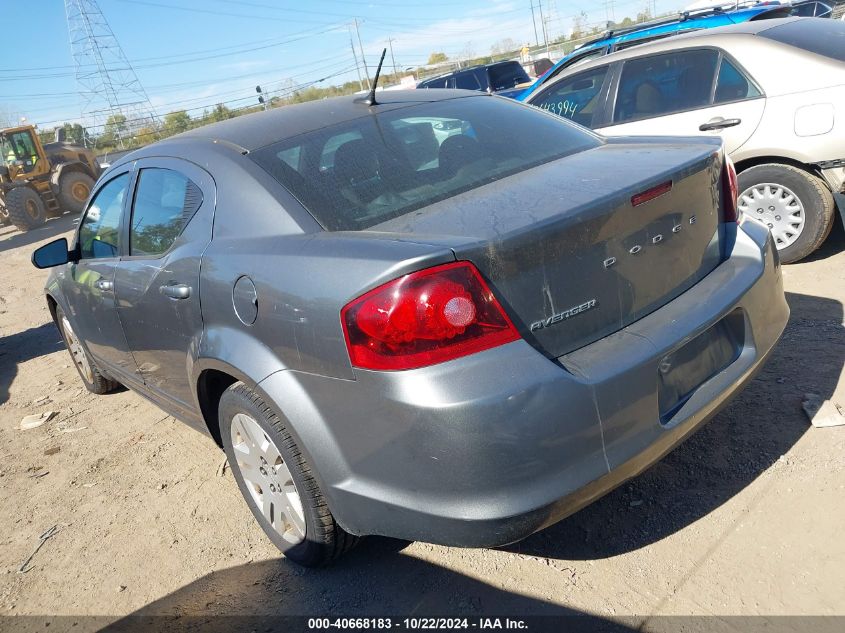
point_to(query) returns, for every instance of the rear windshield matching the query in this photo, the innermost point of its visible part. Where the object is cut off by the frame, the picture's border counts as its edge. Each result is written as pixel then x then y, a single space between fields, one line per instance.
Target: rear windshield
pixel 357 174
pixel 818 35
pixel 506 76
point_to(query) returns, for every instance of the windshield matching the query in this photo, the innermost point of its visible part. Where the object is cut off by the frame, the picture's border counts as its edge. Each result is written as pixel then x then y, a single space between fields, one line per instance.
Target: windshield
pixel 360 173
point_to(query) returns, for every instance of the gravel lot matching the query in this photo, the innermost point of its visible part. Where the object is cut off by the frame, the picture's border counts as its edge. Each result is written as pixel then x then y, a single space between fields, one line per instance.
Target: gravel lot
pixel 746 518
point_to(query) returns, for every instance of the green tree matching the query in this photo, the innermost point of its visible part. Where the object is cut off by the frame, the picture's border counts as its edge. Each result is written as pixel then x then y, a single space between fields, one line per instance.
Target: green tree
pixel 176 122
pixel 114 130
pixel 437 58
pixel 221 113
pixel 74 133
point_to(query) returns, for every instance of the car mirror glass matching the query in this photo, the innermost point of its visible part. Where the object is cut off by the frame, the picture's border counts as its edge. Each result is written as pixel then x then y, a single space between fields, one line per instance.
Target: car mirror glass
pixel 101 249
pixel 53 254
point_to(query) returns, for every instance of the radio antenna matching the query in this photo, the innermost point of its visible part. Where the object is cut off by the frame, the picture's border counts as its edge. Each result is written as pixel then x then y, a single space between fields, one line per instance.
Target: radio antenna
pixel 371 98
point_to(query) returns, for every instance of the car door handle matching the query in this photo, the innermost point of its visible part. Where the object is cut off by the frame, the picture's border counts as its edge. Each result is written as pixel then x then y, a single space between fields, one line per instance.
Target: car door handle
pixel 176 291
pixel 104 284
pixel 718 124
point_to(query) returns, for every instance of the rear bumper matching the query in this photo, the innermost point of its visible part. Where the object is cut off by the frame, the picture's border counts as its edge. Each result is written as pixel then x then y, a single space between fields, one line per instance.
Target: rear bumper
pixel 487 449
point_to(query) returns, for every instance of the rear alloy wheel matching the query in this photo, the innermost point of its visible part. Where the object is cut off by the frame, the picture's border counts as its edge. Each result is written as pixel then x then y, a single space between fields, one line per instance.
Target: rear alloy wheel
pixel 25 208
pixel 276 480
pixel 74 189
pixel 91 376
pixel 793 204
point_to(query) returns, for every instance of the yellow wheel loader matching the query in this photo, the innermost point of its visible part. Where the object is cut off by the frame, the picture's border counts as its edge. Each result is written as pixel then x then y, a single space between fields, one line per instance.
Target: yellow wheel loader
pixel 39 181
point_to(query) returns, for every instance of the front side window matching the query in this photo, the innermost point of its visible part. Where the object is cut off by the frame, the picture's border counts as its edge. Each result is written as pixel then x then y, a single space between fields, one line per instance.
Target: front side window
pixel 99 231
pixel 165 201
pixel 575 98
pixel 19 149
pixel 732 85
pixel 661 84
pixel 395 162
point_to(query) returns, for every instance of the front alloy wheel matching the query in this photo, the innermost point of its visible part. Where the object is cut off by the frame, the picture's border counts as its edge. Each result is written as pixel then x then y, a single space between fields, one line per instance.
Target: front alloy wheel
pixel 80 358
pixel 93 379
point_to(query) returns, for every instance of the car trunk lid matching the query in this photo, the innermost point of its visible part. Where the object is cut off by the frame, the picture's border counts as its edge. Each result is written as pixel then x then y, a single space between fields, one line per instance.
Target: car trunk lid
pixel 566 252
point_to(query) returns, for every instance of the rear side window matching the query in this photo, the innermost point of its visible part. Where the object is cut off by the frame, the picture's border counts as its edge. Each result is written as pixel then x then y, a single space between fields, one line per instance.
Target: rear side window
pixel 467 81
pixel 440 82
pixel 661 84
pixel 732 85
pixel 165 201
pixel 398 161
pixel 822 37
pixel 575 98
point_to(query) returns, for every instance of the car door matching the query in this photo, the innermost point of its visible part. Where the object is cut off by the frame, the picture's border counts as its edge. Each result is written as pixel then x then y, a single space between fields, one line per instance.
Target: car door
pixel 88 285
pixel 686 92
pixel 157 281
pixel 580 98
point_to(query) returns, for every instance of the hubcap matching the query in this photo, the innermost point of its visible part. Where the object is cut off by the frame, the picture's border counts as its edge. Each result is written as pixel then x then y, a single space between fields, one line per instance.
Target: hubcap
pixel 79 356
pixel 31 208
pixel 777 208
pixel 268 478
pixel 79 191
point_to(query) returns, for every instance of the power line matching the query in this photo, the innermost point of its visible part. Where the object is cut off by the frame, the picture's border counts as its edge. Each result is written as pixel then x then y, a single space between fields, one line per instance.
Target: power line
pixel 218 102
pixel 104 91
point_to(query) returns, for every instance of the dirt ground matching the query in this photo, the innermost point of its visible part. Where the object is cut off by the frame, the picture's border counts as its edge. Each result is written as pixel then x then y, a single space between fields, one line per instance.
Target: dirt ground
pixel 746 518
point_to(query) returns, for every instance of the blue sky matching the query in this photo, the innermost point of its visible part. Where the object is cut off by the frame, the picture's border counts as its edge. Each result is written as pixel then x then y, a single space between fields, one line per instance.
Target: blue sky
pixel 193 53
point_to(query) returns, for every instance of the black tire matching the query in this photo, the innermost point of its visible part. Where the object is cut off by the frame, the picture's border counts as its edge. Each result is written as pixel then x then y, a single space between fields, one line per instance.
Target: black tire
pixel 74 189
pixel 813 195
pixel 325 540
pixel 26 208
pixel 4 215
pixel 93 379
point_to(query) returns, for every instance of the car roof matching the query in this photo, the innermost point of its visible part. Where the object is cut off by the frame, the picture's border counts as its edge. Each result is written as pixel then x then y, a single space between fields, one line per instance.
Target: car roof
pixel 251 131
pixel 463 70
pixel 665 25
pixel 680 41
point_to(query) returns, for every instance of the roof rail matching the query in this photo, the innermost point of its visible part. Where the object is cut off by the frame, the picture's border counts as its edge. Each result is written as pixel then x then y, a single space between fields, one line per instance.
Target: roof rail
pixel 682 16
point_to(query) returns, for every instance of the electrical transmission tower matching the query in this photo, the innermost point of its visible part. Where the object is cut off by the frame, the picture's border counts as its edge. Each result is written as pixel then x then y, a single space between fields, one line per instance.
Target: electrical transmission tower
pixel 113 100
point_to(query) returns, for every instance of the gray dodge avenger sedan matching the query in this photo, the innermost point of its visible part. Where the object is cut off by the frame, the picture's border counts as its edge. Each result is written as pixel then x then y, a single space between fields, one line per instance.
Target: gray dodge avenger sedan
pixel 446 317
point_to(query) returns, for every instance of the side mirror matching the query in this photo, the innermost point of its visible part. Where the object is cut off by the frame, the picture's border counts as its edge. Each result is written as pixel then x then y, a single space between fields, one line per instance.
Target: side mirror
pixel 61 135
pixel 53 254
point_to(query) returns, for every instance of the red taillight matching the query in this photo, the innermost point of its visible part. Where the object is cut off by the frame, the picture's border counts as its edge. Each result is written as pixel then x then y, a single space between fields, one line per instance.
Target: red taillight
pixel 729 191
pixel 426 317
pixel 651 194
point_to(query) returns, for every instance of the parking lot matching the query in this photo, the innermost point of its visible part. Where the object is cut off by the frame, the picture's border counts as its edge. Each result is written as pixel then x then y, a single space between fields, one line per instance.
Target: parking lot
pixel 745 518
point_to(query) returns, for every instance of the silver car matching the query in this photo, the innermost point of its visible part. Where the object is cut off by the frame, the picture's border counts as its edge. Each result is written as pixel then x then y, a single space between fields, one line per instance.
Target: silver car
pixel 773 90
pixel 453 338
